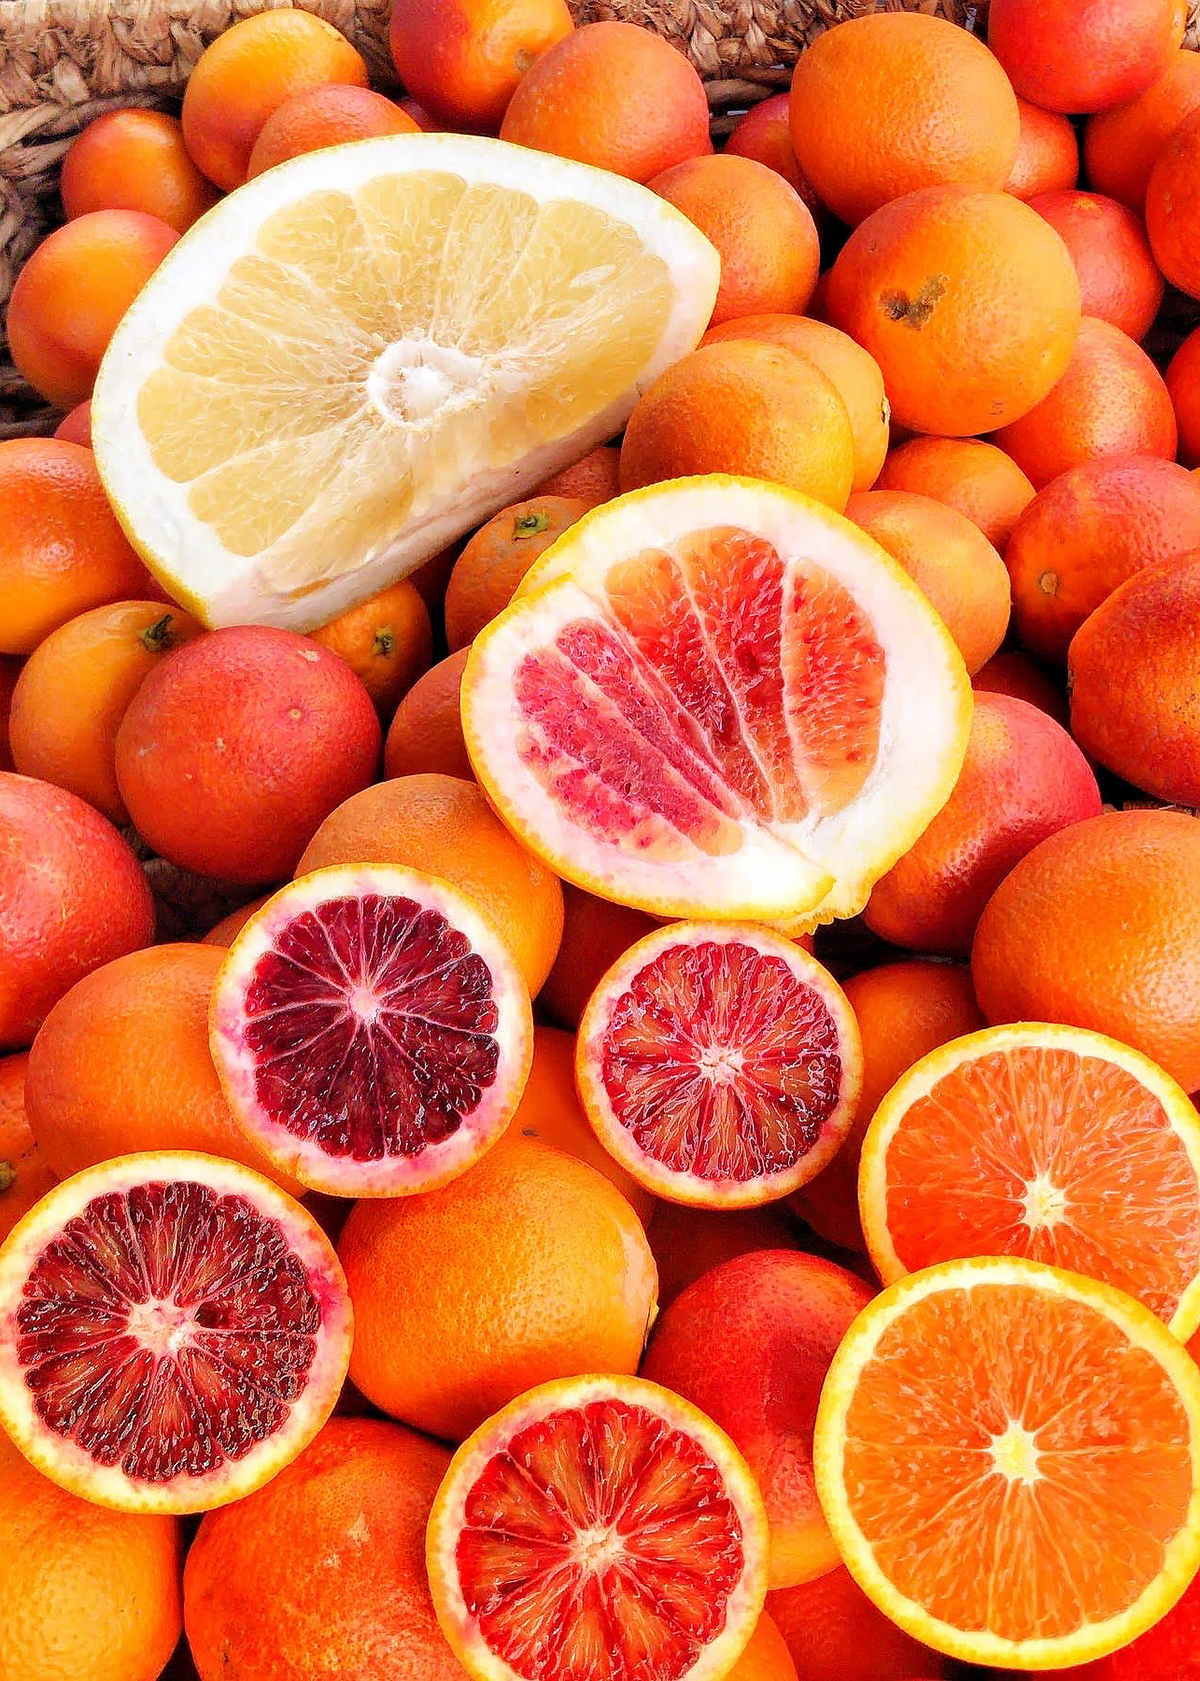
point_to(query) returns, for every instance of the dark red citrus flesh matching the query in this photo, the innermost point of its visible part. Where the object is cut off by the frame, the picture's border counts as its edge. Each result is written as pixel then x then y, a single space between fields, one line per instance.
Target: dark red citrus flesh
pixel 718 684
pixel 721 1061
pixel 600 1545
pixel 371 1027
pixel 167 1330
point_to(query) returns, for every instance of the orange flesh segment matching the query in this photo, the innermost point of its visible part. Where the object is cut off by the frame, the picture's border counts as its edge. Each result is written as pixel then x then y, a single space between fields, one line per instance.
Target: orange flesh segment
pixel 965 1474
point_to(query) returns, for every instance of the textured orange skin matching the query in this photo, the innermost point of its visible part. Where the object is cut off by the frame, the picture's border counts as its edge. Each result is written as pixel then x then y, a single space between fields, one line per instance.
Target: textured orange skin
pixel 761 228
pixel 949 558
pixel 1134 674
pixel 1121 146
pixel 1047 159
pixel 593 478
pixel 595 933
pixel 904 1010
pixel 1173 207
pixel 328 116
pixel 224 933
pixel 1183 383
pixel 122 1065
pixel 463 59
pixel 496 558
pixel 968 301
pixel 445 826
pixel 743 408
pixel 72 896
pixel 612 95
pixel 320 1575
pixel 766 1658
pixel 247 73
pixel 749 1344
pixel 235 749
pixel 1118 277
pixel 75 427
pixel 426 732
pixel 1023 778
pixel 853 374
pixel 893 101
pixel 1088 531
pixel 86 1594
pixel 967 474
pixel 1166 1652
pixel 21 1162
pixel 531 1266
pixel 834 1633
pixel 1017 675
pixel 74 290
pixel 765 134
pixel 135 160
pixel 1099 927
pixel 688 1242
pixel 1070 57
pixel 387 642
pixel 1111 401
pixel 75 688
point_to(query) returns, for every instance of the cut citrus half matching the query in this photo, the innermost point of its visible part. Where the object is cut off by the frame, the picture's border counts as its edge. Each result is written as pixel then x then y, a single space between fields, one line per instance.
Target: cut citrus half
pixel 598 1529
pixel 371 1031
pixel 364 352
pixel 1045 1141
pixel 719 1064
pixel 1008 1456
pixel 715 698
pixel 173 1330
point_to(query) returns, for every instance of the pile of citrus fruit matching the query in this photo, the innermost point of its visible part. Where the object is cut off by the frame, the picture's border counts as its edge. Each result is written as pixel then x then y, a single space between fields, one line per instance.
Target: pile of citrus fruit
pixel 599 890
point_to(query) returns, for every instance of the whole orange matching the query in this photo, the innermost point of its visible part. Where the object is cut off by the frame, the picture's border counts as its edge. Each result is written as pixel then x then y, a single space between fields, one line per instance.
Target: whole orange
pixel 595 933
pixel 1071 57
pixel 949 558
pixel 387 642
pixel 1111 401
pixel 1121 146
pixel 854 375
pixel 75 688
pixel 687 1242
pixel 612 95
pixel 887 103
pixel 1023 778
pixel 134 160
pixel 464 59
pixel 1047 159
pixel 325 116
pixel 247 73
pixel 86 1594
pixel 237 746
pixel 75 427
pixel 764 133
pixel 762 230
pixel 903 1010
pixel 834 1633
pixel 968 301
pixel 73 291
pixel 24 1176
pixel 1099 926
pixel 1088 531
pixel 742 407
pixel 445 826
pixel 1133 670
pixel 497 557
pixel 320 1575
pixel 967 474
pixel 1014 673
pixel 1173 207
pixel 72 896
pixel 426 732
pixel 1183 383
pixel 529 1267
pixel 593 478
pixel 765 1658
pixel 1118 277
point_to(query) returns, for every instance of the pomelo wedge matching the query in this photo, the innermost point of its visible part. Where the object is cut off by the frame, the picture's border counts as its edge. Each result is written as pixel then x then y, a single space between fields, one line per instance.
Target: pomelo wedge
pixel 173 1330
pixel 371 1030
pixel 362 353
pixel 719 1064
pixel 1045 1141
pixel 715 698
pixel 598 1527
pixel 1008 1456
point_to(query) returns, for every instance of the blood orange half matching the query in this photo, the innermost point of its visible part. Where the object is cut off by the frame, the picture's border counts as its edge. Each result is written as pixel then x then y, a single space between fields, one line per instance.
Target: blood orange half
pixel 713 697
pixel 719 1064
pixel 1044 1141
pixel 371 1031
pixel 598 1529
pixel 173 1329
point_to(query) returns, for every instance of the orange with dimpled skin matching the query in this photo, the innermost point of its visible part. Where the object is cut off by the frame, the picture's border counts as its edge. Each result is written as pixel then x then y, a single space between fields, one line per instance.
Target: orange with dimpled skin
pixel 464 59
